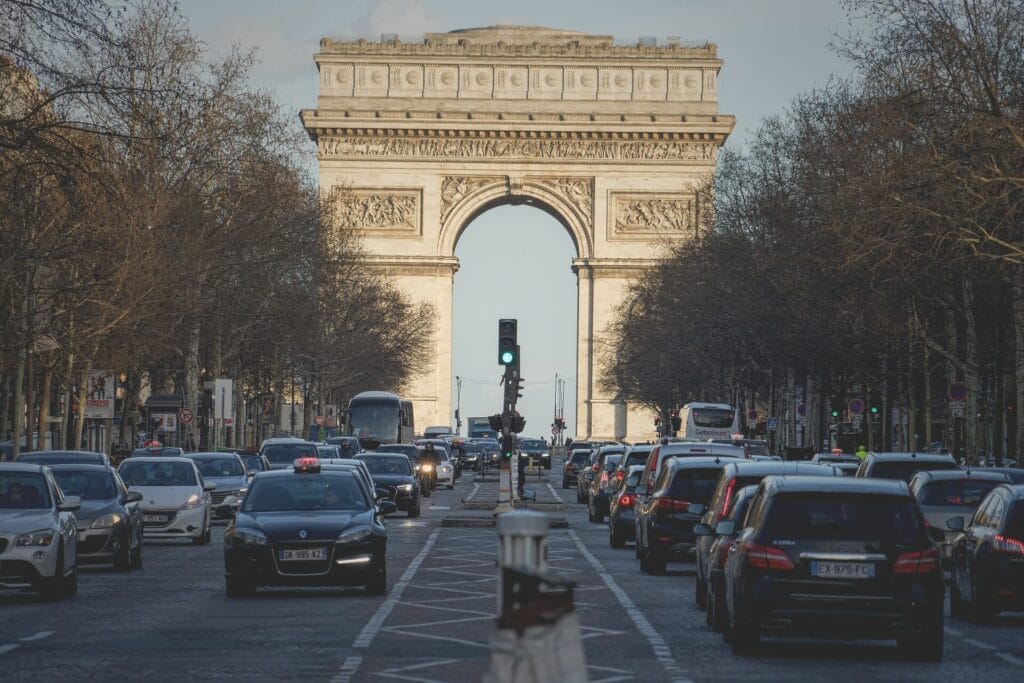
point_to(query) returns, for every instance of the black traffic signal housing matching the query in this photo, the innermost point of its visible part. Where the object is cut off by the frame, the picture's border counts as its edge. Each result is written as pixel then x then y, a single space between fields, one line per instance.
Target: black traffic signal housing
pixel 518 423
pixel 494 421
pixel 837 407
pixel 676 421
pixel 508 346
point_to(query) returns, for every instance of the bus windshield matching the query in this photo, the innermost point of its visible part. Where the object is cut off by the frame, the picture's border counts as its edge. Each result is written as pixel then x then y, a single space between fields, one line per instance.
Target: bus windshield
pixel 375 420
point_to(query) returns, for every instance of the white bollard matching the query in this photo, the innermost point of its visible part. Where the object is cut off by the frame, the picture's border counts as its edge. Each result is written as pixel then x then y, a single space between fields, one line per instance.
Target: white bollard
pixel 522 542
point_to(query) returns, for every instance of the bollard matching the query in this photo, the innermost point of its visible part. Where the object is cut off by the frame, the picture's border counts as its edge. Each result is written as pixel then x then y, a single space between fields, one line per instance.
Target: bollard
pixel 538 635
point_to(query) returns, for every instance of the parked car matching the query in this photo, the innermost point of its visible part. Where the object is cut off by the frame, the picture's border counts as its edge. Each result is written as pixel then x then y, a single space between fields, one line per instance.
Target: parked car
pixel 664 522
pixel 852 557
pixel 575 462
pixel 987 575
pixel 903 465
pixel 227 473
pixel 38 532
pixel 736 475
pixel 65 458
pixel 722 536
pixel 602 484
pixel 621 522
pixel 394 473
pixel 944 494
pixel 109 518
pixel 348 446
pixel 175 501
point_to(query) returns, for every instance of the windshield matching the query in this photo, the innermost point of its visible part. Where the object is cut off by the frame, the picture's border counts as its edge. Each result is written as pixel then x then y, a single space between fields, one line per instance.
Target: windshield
pixel 306 492
pixel 289 452
pixel 533 445
pixel 962 493
pixel 906 469
pixel 579 457
pixel 383 464
pixel 407 450
pixel 26 491
pixel 86 485
pixel 63 459
pixel 717 418
pixel 375 420
pixel 157 473
pixel 167 451
pixel 489 445
pixel 695 484
pixel 218 467
pixel 757 448
pixel 843 517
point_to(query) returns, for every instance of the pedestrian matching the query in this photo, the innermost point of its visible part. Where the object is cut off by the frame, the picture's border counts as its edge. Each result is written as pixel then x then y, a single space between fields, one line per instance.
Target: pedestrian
pixel 862 452
pixel 523 458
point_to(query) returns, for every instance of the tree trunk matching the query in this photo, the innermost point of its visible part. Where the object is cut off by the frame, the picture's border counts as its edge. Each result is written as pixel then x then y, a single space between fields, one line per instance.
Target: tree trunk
pixel 30 398
pixel 192 384
pixel 83 386
pixel 44 407
pixel 1018 327
pixel 19 400
pixel 970 369
pixel 69 374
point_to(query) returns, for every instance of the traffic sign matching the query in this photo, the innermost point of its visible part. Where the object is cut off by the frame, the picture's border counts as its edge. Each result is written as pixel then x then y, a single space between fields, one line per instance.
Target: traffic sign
pixel 773 424
pixel 856 406
pixel 801 410
pixel 957 391
pixel 319 420
pixel 185 416
pixel 957 408
pixel 554 431
pixel 752 415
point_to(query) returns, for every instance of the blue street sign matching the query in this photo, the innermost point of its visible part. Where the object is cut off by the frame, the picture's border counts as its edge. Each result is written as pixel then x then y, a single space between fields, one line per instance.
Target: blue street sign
pixel 773 424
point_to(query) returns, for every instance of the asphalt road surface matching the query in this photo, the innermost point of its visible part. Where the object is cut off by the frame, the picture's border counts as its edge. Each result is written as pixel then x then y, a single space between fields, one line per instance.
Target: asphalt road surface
pixel 172 621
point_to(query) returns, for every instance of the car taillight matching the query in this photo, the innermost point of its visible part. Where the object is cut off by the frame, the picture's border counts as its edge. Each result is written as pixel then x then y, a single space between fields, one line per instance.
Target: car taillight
pixel 604 479
pixel 570 466
pixel 730 488
pixel 767 557
pixel 596 467
pixel 619 475
pixel 723 552
pixel 917 562
pixel 1007 545
pixel 666 503
pixel 626 500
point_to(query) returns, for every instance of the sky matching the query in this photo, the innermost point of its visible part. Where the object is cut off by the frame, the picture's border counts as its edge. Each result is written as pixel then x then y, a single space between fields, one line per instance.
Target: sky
pixel 774 50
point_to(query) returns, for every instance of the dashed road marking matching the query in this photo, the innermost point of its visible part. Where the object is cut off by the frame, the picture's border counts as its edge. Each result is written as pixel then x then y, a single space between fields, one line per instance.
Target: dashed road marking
pixel 440 507
pixel 1010 659
pixel 952 631
pixel 476 487
pixel 36 636
pixel 657 643
pixel 979 644
pixel 4 649
pixel 555 493
pixel 348 670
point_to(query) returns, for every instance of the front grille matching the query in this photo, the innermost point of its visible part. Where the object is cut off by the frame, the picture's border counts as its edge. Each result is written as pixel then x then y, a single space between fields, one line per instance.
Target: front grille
pixel 92 544
pixel 218 497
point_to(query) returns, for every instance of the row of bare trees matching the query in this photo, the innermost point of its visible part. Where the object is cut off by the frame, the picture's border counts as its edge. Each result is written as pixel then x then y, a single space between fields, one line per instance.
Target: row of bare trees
pixel 869 241
pixel 158 220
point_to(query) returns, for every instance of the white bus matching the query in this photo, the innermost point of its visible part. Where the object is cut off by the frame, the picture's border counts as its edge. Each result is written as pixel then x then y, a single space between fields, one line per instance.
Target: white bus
pixel 703 421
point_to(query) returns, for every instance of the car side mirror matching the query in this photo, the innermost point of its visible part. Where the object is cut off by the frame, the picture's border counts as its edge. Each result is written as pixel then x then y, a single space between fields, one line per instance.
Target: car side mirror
pixel 382 494
pixel 725 528
pixel 386 507
pixel 70 504
pixel 133 497
pixel 937 535
pixel 209 487
pixel 229 509
pixel 696 508
pixel 702 529
pixel 955 523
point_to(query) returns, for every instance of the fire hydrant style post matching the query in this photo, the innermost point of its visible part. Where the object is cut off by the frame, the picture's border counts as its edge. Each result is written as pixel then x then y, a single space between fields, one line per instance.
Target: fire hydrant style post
pixel 538 634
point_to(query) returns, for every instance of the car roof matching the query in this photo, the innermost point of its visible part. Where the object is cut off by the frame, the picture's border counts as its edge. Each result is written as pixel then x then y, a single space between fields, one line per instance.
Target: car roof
pixel 648 447
pixel 159 458
pixel 62 451
pixel 87 467
pixel 21 467
pixel 229 456
pixel 701 446
pixel 770 467
pixel 826 485
pixel 903 457
pixel 1016 490
pixel 958 475
pixel 324 469
pixel 701 461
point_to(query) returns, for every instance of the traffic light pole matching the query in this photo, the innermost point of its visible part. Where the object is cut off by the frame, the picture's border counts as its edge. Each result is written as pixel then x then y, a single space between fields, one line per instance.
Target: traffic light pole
pixel 507 444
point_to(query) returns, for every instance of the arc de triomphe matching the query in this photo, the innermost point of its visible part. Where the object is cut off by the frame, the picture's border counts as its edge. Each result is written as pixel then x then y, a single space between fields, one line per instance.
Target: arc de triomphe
pixel 611 140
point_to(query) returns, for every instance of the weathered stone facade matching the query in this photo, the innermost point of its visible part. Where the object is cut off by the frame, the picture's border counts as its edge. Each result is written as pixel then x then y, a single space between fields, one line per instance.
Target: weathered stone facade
pixel 612 140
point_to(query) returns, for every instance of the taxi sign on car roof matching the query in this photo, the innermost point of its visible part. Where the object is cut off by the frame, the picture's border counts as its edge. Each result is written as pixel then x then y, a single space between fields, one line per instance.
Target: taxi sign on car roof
pixel 307 465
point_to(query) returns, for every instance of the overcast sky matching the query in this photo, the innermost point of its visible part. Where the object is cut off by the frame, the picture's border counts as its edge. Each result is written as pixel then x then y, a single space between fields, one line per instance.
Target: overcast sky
pixel 773 51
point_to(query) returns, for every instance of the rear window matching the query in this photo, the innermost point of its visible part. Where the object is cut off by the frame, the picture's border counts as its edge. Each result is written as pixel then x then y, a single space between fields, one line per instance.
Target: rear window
pixel 1015 521
pixel 579 457
pixel 610 461
pixel 695 484
pixel 636 459
pixel 839 517
pixel 288 453
pixel 963 493
pixel 906 469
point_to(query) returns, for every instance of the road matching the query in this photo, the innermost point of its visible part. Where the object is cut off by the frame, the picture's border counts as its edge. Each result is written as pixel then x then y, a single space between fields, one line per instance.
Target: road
pixel 172 621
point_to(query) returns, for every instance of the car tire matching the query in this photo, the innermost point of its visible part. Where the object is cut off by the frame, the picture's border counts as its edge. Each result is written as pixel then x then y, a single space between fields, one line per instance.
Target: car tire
pixel 52 590
pixel 69 585
pixel 137 556
pixel 378 583
pixel 700 593
pixel 202 540
pixel 744 638
pixel 982 610
pixel 451 486
pixel 614 540
pixel 565 484
pixel 657 565
pixel 957 604
pixel 415 512
pixel 123 562
pixel 236 587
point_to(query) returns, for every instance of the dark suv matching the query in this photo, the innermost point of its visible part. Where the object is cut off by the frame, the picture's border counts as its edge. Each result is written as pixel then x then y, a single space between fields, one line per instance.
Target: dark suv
pixel 577 459
pixel 903 465
pixel 538 449
pixel 603 483
pixel 849 557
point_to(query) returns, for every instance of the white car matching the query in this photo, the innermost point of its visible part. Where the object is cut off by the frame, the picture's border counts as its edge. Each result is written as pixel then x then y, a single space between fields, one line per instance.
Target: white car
pixel 38 532
pixel 175 501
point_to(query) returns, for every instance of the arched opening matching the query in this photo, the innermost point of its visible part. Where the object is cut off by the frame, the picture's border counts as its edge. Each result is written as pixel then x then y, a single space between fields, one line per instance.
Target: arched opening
pixel 514 262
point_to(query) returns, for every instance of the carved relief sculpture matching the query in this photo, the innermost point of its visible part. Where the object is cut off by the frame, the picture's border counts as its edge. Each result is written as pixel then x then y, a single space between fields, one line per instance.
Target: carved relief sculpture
pixel 372 210
pixel 645 215
pixel 456 188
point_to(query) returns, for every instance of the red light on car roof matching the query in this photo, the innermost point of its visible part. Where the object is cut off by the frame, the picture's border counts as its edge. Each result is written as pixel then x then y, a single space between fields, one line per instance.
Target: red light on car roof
pixel 307 464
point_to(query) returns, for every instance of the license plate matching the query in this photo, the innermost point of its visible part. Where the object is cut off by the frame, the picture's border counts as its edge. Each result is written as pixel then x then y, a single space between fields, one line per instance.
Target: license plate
pixel 303 555
pixel 154 518
pixel 843 570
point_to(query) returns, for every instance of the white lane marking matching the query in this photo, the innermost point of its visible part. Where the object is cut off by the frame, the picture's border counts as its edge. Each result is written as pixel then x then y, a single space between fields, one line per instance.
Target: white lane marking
pixel 555 493
pixel 36 636
pixel 979 644
pixel 658 644
pixel 373 626
pixel 440 507
pixel 4 649
pixel 476 487
pixel 1010 659
pixel 952 631
pixel 348 669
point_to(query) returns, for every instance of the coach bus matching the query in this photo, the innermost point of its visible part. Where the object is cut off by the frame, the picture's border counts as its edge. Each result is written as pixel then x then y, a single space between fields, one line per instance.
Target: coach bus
pixel 703 421
pixel 377 417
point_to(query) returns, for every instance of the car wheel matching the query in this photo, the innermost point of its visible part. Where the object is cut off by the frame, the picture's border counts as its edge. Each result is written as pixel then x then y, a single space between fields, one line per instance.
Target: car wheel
pixel 236 587
pixel 645 566
pixel 52 589
pixel 202 539
pixel 656 564
pixel 744 637
pixel 982 610
pixel 565 484
pixel 378 583
pixel 926 646
pixel 137 556
pixel 957 604
pixel 69 586
pixel 124 560
pixel 614 540
pixel 700 593
pixel 415 512
pixel 451 486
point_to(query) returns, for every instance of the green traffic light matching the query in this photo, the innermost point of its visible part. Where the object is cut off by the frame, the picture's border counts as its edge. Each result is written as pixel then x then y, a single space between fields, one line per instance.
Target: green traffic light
pixel 507 357
pixel 835 413
pixel 874 410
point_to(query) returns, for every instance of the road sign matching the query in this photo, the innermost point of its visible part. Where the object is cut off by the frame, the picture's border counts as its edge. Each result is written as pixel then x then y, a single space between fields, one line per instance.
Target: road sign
pixel 185 416
pixel 957 408
pixel 958 392
pixel 752 415
pixel 801 410
pixel 554 431
pixel 773 424
pixel 856 406
pixel 319 420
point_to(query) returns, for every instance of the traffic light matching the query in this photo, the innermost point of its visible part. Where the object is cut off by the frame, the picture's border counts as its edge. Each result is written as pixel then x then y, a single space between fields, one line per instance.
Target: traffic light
pixel 508 347
pixel 677 422
pixel 873 410
pixel 494 421
pixel 837 407
pixel 518 423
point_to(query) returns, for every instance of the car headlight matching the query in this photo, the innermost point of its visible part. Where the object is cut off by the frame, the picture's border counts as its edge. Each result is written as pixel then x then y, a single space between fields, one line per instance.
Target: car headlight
pixel 446 468
pixel 107 521
pixel 251 537
pixel 405 487
pixel 43 537
pixel 242 492
pixel 354 535
pixel 194 501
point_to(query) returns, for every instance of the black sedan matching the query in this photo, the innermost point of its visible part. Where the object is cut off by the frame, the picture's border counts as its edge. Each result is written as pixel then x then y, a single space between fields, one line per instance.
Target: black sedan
pixel 110 518
pixel 304 526
pixel 988 557
pixel 394 473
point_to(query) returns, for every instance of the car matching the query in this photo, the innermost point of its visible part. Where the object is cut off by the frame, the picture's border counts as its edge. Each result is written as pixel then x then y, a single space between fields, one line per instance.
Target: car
pixel 945 494
pixel 850 557
pixel 575 461
pixel 282 452
pixel 65 457
pixel 226 472
pixel 470 453
pixel 537 448
pixel 157 452
pixel 903 465
pixel 848 463
pixel 445 468
pixel 603 483
pixel 308 525
pixel 1015 474
pixel 109 518
pixel 664 521
pixel 635 455
pixel 175 501
pixel 585 476
pixel 328 451
pixel 348 445
pixel 254 462
pixel 621 525
pixel 38 532
pixel 395 473
pixel 490 453
pixel 722 536
pixel 436 432
pixel 751 446
pixel 662 452
pixel 407 449
pixel 362 473
pixel 736 475
pixel 987 575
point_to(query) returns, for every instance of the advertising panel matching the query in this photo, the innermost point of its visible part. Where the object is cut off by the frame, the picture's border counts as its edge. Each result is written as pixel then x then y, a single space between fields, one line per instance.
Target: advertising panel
pixel 99 397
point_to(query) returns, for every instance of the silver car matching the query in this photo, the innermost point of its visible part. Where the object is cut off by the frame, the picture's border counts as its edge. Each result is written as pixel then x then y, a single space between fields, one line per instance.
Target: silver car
pixel 227 472
pixel 38 532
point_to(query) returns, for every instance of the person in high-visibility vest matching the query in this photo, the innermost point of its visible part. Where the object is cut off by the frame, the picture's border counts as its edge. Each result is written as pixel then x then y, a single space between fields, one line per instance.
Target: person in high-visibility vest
pixel 862 452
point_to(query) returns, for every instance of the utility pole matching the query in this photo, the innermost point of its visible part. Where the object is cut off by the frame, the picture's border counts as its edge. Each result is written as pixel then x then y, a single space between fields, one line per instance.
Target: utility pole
pixel 509 422
pixel 458 405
